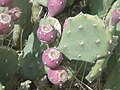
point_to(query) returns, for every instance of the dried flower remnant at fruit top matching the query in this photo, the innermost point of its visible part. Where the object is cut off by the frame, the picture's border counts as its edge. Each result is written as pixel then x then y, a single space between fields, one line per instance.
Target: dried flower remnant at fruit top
pixel 15 13
pixel 5 23
pixel 58 76
pixel 52 57
pixel 46 33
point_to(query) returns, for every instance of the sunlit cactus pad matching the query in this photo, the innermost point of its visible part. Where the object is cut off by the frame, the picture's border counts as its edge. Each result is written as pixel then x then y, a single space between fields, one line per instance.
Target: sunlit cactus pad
pixel 85 38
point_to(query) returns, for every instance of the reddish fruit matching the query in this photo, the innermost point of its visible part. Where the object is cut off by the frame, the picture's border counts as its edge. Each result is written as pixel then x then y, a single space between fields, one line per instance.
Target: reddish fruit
pixel 56 6
pixel 58 76
pixel 5 3
pixel 52 57
pixel 46 33
pixel 115 16
pixel 66 22
pixel 15 13
pixel 5 23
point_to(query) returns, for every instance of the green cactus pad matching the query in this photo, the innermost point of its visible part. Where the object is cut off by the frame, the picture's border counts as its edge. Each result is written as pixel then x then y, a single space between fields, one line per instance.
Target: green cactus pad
pixel 100 64
pixel 96 70
pixel 42 2
pixel 36 11
pixel 85 38
pixel 30 63
pixel 113 81
pixel 8 64
pixel 31 67
pixel 48 20
pixel 100 7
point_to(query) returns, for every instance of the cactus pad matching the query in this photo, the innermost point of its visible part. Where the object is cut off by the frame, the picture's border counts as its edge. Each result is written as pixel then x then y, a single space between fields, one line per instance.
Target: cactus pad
pixel 8 64
pixel 85 38
pixel 30 64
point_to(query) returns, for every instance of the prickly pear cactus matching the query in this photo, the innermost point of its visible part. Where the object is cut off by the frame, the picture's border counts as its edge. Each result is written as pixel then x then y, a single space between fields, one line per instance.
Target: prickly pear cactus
pixel 9 64
pixel 113 80
pixel 31 55
pixel 83 41
pixel 59 44
pixel 102 7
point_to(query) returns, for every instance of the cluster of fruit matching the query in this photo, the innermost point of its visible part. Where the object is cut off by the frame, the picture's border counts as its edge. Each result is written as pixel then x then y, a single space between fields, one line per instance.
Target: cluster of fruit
pixel 8 18
pixel 52 57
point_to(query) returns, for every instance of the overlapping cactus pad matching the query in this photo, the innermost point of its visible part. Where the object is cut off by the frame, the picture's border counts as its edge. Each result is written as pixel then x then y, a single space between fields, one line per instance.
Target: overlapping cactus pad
pixel 59 44
pixel 85 38
pixel 8 64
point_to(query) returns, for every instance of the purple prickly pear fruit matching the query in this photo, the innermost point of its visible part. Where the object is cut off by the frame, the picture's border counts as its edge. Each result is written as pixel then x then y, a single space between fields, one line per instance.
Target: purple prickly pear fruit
pixel 56 6
pixel 115 16
pixel 15 13
pixel 52 57
pixel 6 23
pixel 46 33
pixel 58 76
pixel 5 3
pixel 66 22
